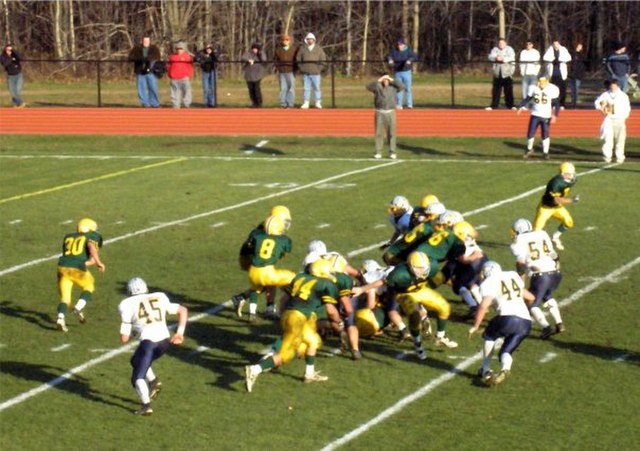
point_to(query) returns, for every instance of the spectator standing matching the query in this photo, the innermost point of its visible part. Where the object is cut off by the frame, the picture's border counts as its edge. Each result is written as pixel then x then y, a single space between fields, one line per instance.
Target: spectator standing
pixel 385 91
pixel 208 59
pixel 310 58
pixel 144 57
pixel 401 60
pixel 615 107
pixel 529 67
pixel 557 56
pixel 618 66
pixel 253 69
pixel 10 60
pixel 284 58
pixel 503 58
pixel 576 72
pixel 180 72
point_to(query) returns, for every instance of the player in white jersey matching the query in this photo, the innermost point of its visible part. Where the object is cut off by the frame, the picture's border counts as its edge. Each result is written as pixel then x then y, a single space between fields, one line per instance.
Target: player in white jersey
pixel 615 107
pixel 506 292
pixel 544 104
pixel 400 211
pixel 144 314
pixel 536 258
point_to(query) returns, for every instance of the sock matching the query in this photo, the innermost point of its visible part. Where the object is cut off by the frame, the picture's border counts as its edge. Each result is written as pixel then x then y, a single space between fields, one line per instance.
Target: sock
pixel 310 368
pixel 150 376
pixel 467 297
pixel 442 327
pixel 546 143
pixel 80 304
pixel 538 315
pixel 562 229
pixel 530 143
pixel 253 298
pixel 86 295
pixel 62 309
pixel 554 310
pixel 253 308
pixel 417 342
pixel 487 352
pixel 440 334
pixel 506 360
pixel 143 391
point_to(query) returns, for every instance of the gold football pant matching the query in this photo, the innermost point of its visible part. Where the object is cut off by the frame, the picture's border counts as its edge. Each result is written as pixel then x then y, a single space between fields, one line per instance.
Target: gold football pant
pixel 67 277
pixel 431 299
pixel 299 335
pixel 544 213
pixel 269 276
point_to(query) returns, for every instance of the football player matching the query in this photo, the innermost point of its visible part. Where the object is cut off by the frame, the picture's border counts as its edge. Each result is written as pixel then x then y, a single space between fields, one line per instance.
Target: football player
pixel 554 202
pixel 373 313
pixel 466 275
pixel 545 105
pixel 308 292
pixel 144 314
pixel 400 212
pixel 80 249
pixel 506 292
pixel 537 259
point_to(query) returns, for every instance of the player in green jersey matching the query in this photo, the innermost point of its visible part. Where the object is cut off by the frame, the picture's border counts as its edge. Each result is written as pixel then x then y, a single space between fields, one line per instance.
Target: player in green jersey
pixel 79 250
pixel 554 201
pixel 308 292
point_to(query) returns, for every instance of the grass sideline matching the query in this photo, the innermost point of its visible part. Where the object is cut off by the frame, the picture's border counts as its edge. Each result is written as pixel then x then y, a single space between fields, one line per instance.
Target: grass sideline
pixel 562 395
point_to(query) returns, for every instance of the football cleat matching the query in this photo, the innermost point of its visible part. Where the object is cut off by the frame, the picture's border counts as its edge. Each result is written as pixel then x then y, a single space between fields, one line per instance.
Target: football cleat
pixel 422 354
pixel 154 388
pixel 249 378
pixel 546 332
pixel 144 410
pixel 500 377
pixel 405 335
pixel 393 155
pixel 556 241
pixel 80 316
pixel 315 377
pixel 62 325
pixel 446 342
pixel 252 317
pixel 560 328
pixel 377 156
pixel 486 376
pixel 527 153
pixel 356 355
pixel 426 327
pixel 238 302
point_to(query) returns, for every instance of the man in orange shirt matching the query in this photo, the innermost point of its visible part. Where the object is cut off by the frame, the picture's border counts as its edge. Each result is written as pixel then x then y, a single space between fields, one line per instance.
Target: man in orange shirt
pixel 180 71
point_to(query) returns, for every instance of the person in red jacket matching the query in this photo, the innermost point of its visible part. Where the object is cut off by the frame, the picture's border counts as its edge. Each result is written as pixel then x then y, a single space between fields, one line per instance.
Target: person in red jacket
pixel 180 71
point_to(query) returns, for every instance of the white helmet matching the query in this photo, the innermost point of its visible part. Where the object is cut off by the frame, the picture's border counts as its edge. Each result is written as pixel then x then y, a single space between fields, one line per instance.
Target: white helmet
pixel 435 209
pixel 399 205
pixel 137 286
pixel 455 216
pixel 489 269
pixel 371 266
pixel 521 226
pixel 317 246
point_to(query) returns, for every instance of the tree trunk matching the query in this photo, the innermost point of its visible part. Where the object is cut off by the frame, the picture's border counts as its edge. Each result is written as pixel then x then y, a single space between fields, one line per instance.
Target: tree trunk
pixel 72 36
pixel 470 33
pixel 7 22
pixel 365 33
pixel 501 19
pixel 349 39
pixel 287 22
pixel 405 19
pixel 57 32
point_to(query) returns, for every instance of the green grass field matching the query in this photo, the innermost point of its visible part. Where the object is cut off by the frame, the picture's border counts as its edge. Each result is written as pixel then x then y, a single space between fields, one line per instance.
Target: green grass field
pixel 175 211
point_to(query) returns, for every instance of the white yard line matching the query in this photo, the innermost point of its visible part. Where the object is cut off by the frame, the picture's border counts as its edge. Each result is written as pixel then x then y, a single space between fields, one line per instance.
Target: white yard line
pixel 435 383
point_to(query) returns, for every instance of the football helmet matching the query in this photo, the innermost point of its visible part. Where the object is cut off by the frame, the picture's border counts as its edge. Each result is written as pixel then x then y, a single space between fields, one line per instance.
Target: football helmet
pixel 445 221
pixel 419 264
pixel 428 200
pixel 464 230
pixel 434 210
pixel 489 269
pixel 87 225
pixel 317 246
pixel 137 286
pixel 543 82
pixel 338 262
pixel 568 171
pixel 371 266
pixel 399 206
pixel 321 268
pixel 284 213
pixel 275 225
pixel 456 216
pixel 521 226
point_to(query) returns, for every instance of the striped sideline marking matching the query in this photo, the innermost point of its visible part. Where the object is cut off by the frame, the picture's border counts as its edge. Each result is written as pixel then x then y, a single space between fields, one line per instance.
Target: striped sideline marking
pixel 126 348
pixel 205 214
pixel 91 180
pixel 434 383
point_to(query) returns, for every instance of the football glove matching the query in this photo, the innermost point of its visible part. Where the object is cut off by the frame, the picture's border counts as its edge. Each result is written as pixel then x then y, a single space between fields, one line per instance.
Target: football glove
pixel 575 199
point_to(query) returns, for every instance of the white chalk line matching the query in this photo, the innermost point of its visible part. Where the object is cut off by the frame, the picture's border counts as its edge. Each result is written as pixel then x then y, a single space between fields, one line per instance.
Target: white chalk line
pixel 434 383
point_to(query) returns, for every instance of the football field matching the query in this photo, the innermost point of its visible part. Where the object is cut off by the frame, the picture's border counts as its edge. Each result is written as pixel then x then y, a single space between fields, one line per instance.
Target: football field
pixel 175 210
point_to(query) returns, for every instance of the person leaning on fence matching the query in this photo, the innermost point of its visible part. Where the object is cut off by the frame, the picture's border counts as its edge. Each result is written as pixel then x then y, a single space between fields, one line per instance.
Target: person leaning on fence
pixel 208 59
pixel 310 58
pixel 10 60
pixel 503 58
pixel 529 67
pixel 401 60
pixel 284 58
pixel 253 67
pixel 577 69
pixel 180 71
pixel 557 56
pixel 385 91
pixel 145 56
pixel 618 65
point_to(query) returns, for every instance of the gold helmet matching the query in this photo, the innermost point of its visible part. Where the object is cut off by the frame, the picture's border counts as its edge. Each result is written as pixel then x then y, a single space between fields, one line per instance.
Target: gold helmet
pixel 419 264
pixel 322 268
pixel 568 171
pixel 284 213
pixel 87 225
pixel 464 229
pixel 274 225
pixel 427 200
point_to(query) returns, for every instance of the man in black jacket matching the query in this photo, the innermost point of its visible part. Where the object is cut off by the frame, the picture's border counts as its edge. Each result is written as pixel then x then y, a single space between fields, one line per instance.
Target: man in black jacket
pixel 576 71
pixel 208 58
pixel 10 60
pixel 145 56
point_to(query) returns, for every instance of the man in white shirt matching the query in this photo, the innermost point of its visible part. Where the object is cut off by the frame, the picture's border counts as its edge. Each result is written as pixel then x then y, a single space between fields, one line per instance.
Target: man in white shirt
pixel 557 56
pixel 615 107
pixel 503 58
pixel 529 67
pixel 145 314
